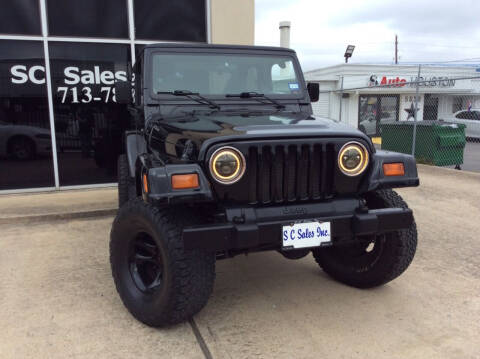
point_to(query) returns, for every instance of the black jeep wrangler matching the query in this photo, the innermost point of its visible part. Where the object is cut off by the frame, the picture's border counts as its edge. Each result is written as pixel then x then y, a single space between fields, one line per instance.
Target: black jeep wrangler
pixel 227 159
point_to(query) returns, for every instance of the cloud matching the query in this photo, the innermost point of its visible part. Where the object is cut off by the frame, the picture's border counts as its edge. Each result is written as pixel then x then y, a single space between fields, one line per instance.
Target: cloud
pixel 429 31
pixel 413 17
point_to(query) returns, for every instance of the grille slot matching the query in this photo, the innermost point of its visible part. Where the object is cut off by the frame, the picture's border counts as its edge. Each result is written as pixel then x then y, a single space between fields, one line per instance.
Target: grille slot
pixel 293 172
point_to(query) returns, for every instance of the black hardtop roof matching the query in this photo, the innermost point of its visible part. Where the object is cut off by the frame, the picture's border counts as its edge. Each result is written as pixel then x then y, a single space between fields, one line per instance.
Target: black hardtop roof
pixel 215 47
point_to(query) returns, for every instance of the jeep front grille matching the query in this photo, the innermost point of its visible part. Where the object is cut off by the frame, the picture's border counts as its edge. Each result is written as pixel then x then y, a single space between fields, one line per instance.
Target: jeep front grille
pixel 290 172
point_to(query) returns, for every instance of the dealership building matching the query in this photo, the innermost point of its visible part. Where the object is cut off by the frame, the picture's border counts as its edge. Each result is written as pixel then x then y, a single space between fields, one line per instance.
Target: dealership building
pixel 60 126
pixel 387 92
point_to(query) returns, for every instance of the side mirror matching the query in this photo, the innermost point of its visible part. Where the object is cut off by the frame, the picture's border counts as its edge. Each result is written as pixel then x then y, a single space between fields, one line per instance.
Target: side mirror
pixel 313 89
pixel 123 92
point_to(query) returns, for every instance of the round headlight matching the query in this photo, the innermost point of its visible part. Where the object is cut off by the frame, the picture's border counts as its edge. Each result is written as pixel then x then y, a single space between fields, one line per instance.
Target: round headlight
pixel 227 165
pixel 353 158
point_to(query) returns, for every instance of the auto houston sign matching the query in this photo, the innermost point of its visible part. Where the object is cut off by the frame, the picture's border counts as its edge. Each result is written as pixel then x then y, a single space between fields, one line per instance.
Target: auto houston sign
pixel 403 81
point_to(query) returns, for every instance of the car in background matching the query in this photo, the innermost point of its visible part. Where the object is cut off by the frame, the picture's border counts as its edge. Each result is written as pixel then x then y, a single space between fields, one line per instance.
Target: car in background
pixel 471 119
pixel 371 127
pixel 23 142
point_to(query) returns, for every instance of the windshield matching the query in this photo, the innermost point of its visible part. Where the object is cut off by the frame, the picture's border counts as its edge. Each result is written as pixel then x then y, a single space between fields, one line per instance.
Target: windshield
pixel 218 75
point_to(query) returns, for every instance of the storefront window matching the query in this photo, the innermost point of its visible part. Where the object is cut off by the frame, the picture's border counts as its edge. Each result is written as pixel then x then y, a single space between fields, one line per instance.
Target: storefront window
pixel 89 124
pixel 20 17
pixel 179 20
pixel 138 50
pixel 25 141
pixel 88 18
pixel 375 109
pixel 430 108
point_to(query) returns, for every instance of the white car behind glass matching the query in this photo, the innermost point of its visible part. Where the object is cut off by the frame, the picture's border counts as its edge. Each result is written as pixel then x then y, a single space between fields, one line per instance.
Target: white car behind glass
pixel 472 121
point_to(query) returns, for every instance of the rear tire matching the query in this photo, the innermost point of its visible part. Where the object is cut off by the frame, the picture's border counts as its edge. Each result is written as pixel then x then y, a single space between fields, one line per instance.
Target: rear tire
pixel 374 260
pixel 158 281
pixel 126 184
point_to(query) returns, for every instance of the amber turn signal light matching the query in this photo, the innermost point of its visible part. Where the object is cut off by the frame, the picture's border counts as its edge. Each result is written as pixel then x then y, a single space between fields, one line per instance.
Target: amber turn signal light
pixel 145 183
pixel 185 181
pixel 393 169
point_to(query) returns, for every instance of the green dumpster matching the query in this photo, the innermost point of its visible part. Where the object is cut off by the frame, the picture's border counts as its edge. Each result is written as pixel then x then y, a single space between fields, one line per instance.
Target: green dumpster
pixel 437 142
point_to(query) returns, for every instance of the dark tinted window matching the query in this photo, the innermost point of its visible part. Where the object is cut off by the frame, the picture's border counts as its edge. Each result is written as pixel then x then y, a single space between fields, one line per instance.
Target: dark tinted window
pixel 21 17
pixel 91 18
pixel 25 144
pixel 138 49
pixel 179 20
pixel 88 122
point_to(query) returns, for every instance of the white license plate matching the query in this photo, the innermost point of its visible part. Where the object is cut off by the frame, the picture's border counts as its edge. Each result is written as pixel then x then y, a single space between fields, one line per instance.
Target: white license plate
pixel 306 234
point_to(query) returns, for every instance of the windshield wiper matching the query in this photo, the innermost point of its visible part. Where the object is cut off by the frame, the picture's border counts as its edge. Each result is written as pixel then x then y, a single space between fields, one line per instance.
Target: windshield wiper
pixel 195 96
pixel 256 96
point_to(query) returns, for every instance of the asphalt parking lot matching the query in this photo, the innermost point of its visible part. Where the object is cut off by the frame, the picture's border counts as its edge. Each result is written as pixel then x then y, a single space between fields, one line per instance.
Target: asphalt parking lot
pixel 471 157
pixel 58 299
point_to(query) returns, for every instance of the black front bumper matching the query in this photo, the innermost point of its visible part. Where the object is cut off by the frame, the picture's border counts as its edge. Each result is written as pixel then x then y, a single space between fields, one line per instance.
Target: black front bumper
pixel 251 228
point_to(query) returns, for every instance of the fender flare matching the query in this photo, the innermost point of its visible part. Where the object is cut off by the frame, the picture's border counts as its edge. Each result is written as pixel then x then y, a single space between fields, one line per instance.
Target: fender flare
pixel 377 180
pixel 135 145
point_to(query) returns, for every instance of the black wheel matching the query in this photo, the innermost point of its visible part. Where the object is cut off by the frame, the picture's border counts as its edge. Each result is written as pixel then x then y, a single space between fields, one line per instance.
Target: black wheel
pixel 22 148
pixel 376 260
pixel 126 184
pixel 158 281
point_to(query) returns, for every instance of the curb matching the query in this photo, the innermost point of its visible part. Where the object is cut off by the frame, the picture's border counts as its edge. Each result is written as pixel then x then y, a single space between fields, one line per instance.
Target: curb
pixel 59 216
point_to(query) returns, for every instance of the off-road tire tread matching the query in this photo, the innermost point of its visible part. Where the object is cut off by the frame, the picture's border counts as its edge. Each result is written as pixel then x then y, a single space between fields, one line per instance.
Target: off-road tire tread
pixel 193 270
pixel 404 242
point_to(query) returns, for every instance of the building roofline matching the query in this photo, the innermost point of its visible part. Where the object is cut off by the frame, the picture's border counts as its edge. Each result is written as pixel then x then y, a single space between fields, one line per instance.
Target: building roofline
pixel 354 67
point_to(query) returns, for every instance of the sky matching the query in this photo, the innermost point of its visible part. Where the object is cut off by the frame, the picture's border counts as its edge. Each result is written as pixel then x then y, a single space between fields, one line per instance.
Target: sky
pixel 429 31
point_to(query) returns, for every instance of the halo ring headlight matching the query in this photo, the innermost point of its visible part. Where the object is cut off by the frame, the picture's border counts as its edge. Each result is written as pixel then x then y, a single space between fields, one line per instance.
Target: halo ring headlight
pixel 227 165
pixel 353 158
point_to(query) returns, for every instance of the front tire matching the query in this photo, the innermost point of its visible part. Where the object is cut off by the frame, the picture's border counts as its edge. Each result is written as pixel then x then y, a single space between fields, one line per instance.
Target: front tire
pixel 375 260
pixel 158 281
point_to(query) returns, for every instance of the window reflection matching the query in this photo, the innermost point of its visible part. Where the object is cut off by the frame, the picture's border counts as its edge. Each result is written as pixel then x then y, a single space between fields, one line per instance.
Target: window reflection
pixel 20 17
pixel 179 20
pixel 89 124
pixel 25 144
pixel 88 18
pixel 375 110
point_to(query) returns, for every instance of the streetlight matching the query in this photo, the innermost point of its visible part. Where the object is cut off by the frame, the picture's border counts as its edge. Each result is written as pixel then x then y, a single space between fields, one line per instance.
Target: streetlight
pixel 349 52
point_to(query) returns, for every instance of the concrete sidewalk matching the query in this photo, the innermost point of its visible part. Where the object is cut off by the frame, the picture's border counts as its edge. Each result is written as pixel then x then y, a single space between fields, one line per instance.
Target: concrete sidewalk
pixel 24 207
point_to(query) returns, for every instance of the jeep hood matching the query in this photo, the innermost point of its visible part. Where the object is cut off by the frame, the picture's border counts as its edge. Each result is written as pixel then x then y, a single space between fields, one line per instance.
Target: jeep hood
pixel 172 133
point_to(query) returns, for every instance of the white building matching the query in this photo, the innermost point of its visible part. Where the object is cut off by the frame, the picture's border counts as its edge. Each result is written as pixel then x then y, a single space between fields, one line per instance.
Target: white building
pixel 386 92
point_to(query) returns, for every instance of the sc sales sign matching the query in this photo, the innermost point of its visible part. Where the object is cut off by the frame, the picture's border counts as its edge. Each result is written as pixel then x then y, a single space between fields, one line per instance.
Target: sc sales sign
pixel 79 83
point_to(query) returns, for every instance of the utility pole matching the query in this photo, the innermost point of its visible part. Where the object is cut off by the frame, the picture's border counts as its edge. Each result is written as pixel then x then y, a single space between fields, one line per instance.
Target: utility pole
pixel 396 49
